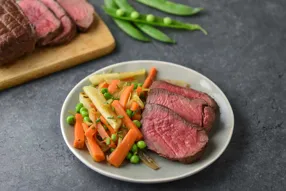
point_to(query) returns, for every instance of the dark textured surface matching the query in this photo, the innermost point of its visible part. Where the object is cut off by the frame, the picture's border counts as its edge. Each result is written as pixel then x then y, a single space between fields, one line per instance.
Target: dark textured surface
pixel 244 54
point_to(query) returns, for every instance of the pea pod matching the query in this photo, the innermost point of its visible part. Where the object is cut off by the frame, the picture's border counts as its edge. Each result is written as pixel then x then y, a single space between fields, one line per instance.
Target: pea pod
pixel 126 26
pixel 147 29
pixel 171 7
pixel 157 22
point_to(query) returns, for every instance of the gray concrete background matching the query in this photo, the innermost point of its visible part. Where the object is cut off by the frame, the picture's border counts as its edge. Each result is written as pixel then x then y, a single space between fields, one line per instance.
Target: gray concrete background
pixel 244 54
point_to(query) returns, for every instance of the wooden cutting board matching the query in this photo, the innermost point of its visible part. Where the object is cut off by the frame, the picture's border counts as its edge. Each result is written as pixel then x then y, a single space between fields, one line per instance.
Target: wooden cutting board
pixel 97 42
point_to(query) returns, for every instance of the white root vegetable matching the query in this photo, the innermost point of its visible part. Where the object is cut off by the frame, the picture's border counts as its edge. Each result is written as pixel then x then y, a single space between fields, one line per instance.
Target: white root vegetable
pixel 105 109
pixel 178 83
pixel 84 99
pixel 98 78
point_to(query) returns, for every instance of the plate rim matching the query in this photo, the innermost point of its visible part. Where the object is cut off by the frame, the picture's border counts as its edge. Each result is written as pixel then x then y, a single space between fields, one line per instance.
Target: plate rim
pixel 134 180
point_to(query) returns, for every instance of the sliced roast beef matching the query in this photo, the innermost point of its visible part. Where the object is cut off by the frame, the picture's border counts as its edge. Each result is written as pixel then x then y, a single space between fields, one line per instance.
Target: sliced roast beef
pixel 188 92
pixel 69 28
pixel 171 136
pixel 47 25
pixel 17 35
pixel 195 111
pixel 81 11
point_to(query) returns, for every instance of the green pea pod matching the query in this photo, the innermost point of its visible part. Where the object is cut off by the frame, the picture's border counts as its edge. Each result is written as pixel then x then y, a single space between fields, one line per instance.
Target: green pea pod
pixel 171 7
pixel 157 22
pixel 126 26
pixel 147 29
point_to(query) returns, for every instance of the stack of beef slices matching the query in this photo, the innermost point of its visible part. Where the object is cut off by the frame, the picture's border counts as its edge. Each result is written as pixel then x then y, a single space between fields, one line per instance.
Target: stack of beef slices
pixel 176 121
pixel 28 23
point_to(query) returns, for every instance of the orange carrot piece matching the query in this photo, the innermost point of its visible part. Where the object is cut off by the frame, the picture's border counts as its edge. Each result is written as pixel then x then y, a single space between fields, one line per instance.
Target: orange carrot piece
pixel 125 95
pixel 103 85
pixel 103 134
pixel 134 106
pixel 103 120
pixel 113 87
pixel 78 132
pixel 119 154
pixel 137 116
pixel 139 90
pixel 151 76
pixel 94 149
pixel 91 131
pixel 126 120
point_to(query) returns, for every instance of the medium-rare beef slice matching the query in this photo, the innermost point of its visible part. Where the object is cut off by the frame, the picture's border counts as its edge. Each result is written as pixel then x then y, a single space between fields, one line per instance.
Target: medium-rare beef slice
pixel 69 28
pixel 17 35
pixel 171 136
pixel 195 111
pixel 188 92
pixel 47 25
pixel 81 11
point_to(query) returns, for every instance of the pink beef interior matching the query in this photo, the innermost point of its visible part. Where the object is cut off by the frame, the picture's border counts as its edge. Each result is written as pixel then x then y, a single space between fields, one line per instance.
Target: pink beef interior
pixel 170 135
pixel 188 92
pixel 80 11
pixel 41 17
pixel 195 111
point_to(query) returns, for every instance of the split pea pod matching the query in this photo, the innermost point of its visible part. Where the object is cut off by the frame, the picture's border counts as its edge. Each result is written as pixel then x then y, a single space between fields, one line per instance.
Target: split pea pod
pixel 155 21
pixel 171 7
pixel 149 30
pixel 126 26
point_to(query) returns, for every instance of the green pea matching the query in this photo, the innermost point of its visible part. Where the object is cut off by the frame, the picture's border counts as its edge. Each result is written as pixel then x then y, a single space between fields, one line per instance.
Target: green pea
pixel 107 141
pixel 150 18
pixel 78 107
pixel 104 90
pixel 113 137
pixel 107 95
pixel 83 109
pixel 71 120
pixel 129 113
pixel 135 15
pixel 119 12
pixel 129 155
pixel 137 123
pixel 140 84
pixel 167 20
pixel 84 114
pixel 134 159
pixel 135 85
pixel 141 144
pixel 87 119
pixel 134 148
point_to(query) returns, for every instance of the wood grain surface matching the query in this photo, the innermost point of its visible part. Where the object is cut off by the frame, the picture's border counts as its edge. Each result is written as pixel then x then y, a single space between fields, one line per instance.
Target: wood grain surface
pixel 97 42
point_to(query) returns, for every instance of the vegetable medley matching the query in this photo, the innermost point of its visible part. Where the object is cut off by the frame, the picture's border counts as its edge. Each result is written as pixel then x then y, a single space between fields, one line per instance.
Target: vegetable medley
pixel 107 119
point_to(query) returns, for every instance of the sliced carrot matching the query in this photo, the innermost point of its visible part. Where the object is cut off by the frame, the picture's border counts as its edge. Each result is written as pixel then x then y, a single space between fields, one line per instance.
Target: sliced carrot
pixel 103 120
pixel 103 85
pixel 139 90
pixel 91 131
pixel 104 135
pixel 137 116
pixel 119 154
pixel 94 149
pixel 126 120
pixel 78 132
pixel 113 87
pixel 134 106
pixel 150 78
pixel 125 95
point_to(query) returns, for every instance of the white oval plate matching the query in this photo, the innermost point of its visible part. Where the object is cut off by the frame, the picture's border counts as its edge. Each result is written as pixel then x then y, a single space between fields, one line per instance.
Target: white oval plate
pixel 169 171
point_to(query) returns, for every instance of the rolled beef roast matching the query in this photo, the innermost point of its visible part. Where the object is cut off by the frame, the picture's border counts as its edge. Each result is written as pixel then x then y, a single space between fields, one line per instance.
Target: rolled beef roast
pixel 17 35
pixel 69 28
pixel 195 111
pixel 47 25
pixel 81 11
pixel 187 92
pixel 171 136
